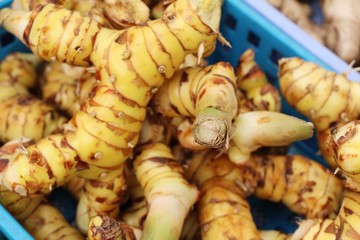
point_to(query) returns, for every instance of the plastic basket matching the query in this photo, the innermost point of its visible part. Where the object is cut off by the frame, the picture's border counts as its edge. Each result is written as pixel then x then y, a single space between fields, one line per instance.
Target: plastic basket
pixel 246 24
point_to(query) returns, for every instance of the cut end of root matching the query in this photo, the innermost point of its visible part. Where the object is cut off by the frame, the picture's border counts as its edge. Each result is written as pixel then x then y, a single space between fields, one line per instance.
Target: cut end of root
pixel 211 131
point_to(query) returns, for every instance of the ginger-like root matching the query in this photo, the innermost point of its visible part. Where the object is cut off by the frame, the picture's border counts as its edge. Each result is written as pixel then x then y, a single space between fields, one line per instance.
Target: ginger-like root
pixel 136 213
pixel 66 87
pixel 126 13
pixel 323 139
pixel 116 107
pixel 167 192
pixel 260 94
pixel 131 64
pixel 251 131
pixel 117 14
pixel 341 26
pixel 155 128
pixel 224 212
pixel 47 223
pixel 103 227
pixel 274 235
pixel 41 220
pixel 20 68
pixel 327 99
pixel 303 185
pixel 207 94
pixel 343 227
pixel 344 143
pixel 100 196
pixel 22 114
pixel 256 129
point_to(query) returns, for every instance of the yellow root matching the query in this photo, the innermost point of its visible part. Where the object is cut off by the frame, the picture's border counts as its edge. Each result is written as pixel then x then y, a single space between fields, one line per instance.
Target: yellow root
pixel 66 87
pixel 23 115
pixel 273 235
pixel 344 226
pixel 41 220
pixel 102 135
pixel 344 143
pixel 304 186
pixel 224 212
pixel 165 189
pixel 101 196
pixel 47 223
pixel 117 14
pixel 103 227
pixel 206 94
pixel 324 97
pixel 260 95
pixel 136 213
pixel 256 129
pixel 327 99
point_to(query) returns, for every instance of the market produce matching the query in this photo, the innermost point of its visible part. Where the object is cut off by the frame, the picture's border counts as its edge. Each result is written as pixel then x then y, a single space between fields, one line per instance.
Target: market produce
pixel 343 227
pixel 116 14
pixel 274 235
pixel 343 143
pixel 100 197
pixel 114 118
pixel 224 212
pixel 20 68
pixel 207 94
pixel 135 214
pixel 66 87
pixel 47 223
pixel 301 184
pixel 259 93
pixel 120 97
pixel 137 61
pixel 40 219
pixel 256 129
pixel 22 114
pixel 167 192
pixel 103 227
pixel 326 98
pixel 155 129
pixel 224 126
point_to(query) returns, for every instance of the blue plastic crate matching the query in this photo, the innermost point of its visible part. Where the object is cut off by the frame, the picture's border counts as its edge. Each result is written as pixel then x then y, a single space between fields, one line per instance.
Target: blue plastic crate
pixel 246 24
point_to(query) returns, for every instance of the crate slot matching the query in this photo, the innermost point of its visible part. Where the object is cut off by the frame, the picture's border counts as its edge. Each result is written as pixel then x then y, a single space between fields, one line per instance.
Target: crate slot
pixel 272 79
pixel 275 56
pixel 230 21
pixel 6 39
pixel 253 38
